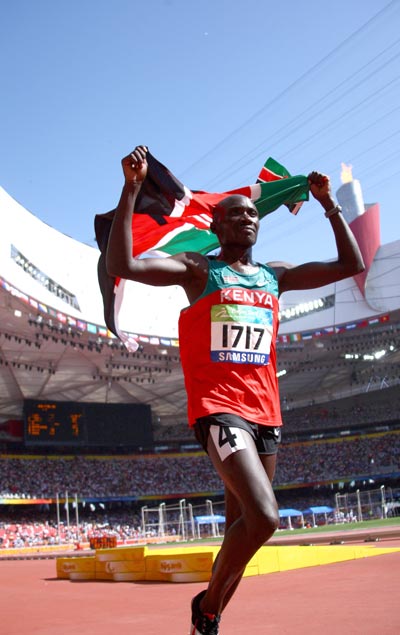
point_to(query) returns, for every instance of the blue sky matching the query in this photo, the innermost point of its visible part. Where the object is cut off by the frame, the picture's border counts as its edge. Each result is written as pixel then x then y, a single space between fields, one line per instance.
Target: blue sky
pixel 213 88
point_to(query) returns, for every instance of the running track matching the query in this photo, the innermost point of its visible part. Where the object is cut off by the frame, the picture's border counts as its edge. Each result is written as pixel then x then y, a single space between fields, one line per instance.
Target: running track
pixel 358 597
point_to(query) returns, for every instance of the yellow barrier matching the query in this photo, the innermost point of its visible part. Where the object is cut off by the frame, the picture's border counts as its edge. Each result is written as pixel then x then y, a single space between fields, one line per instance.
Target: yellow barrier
pixel 185 565
pixel 82 568
pixel 194 564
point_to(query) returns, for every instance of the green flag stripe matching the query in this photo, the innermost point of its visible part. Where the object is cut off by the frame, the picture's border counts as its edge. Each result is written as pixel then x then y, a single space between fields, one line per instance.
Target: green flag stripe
pixel 200 240
pixel 282 192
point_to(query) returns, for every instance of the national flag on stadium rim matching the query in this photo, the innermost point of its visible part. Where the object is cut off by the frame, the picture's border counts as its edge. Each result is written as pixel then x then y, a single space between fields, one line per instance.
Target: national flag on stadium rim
pixel 169 219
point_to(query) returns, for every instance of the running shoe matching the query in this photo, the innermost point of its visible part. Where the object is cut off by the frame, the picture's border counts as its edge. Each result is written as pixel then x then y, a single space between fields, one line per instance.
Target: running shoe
pixel 203 623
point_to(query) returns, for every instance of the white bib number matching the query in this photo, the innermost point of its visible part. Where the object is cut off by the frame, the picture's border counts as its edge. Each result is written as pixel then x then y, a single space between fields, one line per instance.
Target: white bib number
pixel 241 334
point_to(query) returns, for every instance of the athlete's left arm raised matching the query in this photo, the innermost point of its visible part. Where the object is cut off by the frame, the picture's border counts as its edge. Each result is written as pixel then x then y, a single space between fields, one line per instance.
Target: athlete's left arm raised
pixel 349 260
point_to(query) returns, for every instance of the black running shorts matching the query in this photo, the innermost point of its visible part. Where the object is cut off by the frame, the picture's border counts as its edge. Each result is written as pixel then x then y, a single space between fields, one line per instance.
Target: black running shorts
pixel 266 438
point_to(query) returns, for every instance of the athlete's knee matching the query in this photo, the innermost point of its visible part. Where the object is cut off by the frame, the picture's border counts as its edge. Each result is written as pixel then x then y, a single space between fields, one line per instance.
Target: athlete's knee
pixel 274 521
pixel 270 521
pixel 264 524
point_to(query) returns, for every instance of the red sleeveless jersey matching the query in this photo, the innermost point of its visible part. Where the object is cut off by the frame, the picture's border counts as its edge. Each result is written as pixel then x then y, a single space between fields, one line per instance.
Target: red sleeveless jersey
pixel 227 341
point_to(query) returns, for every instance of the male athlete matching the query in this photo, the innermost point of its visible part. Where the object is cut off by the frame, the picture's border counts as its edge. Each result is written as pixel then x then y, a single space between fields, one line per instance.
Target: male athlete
pixel 227 338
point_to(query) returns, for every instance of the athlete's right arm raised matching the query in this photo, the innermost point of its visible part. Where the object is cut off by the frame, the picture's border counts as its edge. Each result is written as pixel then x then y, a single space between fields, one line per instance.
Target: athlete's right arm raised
pixel 182 269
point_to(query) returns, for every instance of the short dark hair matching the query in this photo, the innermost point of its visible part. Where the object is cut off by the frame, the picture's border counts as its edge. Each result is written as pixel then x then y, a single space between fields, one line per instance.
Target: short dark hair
pixel 221 205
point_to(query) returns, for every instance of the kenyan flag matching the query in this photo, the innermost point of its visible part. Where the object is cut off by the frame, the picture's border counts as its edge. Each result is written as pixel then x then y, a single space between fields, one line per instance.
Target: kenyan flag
pixel 169 218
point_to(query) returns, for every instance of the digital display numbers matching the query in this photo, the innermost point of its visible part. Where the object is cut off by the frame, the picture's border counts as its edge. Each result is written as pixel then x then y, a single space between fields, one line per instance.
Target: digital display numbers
pixel 59 422
pixel 92 424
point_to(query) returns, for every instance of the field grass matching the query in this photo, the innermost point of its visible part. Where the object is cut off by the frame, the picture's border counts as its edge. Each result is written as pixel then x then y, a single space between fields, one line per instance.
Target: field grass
pixel 365 524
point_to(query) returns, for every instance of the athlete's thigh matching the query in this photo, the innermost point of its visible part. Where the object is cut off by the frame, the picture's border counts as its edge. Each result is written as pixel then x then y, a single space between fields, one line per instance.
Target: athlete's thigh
pixel 235 457
pixel 269 463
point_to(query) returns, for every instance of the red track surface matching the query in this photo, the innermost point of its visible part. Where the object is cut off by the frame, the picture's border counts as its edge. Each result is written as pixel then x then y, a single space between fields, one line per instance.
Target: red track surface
pixel 358 597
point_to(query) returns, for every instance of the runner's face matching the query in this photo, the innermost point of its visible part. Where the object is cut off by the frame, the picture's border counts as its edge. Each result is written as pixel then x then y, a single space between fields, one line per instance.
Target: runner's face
pixel 236 221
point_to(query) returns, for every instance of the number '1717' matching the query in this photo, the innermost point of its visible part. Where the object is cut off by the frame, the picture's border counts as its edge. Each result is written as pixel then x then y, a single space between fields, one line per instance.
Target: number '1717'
pixel 232 336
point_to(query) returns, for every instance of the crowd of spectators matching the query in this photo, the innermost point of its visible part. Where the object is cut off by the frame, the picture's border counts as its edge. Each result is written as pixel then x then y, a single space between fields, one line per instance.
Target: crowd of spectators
pixel 160 475
pixel 366 408
pixel 365 456
pixel 29 530
pixel 43 477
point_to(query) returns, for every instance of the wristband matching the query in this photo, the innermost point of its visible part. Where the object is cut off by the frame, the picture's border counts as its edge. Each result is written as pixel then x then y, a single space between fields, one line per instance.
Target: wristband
pixel 334 210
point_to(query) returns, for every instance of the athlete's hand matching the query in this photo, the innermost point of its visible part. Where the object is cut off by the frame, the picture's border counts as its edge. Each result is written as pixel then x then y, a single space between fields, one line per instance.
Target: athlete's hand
pixel 320 188
pixel 135 166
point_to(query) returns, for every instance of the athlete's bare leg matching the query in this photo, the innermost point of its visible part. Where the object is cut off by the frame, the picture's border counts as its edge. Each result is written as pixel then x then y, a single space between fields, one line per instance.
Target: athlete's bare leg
pixel 246 480
pixel 233 512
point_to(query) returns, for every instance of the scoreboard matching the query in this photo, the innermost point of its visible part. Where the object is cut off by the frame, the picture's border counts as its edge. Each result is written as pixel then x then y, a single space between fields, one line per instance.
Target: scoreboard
pixel 54 422
pixel 86 424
